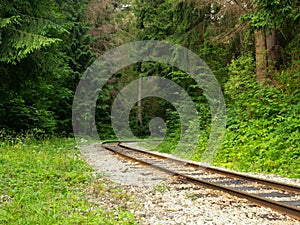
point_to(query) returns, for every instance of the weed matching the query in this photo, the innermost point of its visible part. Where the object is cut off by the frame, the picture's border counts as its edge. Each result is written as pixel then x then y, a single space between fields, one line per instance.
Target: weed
pixel 43 181
pixel 191 195
pixel 161 187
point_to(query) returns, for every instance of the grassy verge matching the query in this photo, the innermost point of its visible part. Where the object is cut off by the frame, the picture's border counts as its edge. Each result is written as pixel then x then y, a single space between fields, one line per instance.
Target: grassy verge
pixel 45 182
pixel 247 152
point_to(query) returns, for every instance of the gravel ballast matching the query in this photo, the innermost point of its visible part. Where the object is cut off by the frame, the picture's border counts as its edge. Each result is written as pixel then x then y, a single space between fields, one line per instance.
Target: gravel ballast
pixel 164 200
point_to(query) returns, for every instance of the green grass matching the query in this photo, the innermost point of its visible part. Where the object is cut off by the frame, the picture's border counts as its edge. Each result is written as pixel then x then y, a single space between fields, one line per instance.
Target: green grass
pixel 44 181
pixel 245 153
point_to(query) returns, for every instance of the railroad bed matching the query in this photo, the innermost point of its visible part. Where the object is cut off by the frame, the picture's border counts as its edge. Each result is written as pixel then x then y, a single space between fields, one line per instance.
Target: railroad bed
pixel 168 199
pixel 283 198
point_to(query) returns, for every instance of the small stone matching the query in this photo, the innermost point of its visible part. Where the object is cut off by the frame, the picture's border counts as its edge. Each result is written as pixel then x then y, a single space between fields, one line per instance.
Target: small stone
pixel 124 169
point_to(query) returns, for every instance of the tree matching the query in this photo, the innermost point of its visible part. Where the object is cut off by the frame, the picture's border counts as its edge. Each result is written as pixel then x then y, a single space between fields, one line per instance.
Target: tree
pixel 27 27
pixel 266 18
pixel 42 45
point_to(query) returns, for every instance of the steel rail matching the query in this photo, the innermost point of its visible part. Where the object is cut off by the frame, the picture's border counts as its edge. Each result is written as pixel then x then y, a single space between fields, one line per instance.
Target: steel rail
pixel 277 206
pixel 274 184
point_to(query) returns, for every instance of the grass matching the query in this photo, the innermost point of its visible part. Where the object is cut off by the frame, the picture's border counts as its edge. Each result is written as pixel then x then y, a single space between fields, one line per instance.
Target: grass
pixel 44 181
pixel 242 153
pixel 161 188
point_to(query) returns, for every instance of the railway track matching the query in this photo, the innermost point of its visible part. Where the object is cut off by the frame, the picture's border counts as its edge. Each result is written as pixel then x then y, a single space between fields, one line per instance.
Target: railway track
pixel 283 198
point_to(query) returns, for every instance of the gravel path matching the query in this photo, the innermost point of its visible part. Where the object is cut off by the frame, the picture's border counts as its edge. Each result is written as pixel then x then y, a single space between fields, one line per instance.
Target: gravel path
pixel 164 200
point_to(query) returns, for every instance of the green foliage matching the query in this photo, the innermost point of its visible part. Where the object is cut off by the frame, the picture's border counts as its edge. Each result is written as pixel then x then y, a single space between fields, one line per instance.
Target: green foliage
pixel 260 145
pixel 263 130
pixel 262 127
pixel 22 33
pixel 44 50
pixel 241 77
pixel 161 188
pixel 44 181
pixel 153 19
pixel 269 14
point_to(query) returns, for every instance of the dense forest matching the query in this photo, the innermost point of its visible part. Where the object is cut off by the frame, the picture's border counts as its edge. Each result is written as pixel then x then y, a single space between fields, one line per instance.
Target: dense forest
pixel 252 47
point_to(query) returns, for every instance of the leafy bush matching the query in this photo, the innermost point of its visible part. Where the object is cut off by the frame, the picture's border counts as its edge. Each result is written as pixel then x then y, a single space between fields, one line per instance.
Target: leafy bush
pixel 263 124
pixel 241 77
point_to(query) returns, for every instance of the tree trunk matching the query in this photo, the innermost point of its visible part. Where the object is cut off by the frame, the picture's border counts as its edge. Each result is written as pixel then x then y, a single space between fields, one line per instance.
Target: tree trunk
pixel 266 50
pixel 139 109
pixel 272 52
pixel 260 53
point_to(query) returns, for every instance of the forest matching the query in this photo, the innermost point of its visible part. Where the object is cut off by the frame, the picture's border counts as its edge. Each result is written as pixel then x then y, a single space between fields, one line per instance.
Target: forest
pixel 252 47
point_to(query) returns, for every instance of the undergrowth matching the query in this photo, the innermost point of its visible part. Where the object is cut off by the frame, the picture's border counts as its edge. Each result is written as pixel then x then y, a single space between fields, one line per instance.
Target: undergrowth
pixel 263 123
pixel 44 181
